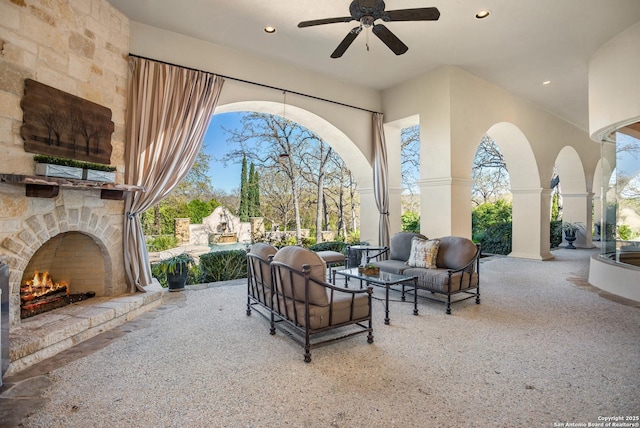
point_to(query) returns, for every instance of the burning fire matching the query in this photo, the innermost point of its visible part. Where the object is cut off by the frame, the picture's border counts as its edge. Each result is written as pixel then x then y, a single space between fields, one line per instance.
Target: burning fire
pixel 41 284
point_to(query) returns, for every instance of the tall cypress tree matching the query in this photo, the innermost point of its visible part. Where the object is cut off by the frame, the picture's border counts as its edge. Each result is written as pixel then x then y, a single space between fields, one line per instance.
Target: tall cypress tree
pixel 254 192
pixel 243 210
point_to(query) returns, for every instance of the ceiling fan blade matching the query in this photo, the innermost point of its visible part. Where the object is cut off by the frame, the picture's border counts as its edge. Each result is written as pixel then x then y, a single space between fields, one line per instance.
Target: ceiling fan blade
pixel 419 14
pixel 304 24
pixel 346 42
pixel 389 39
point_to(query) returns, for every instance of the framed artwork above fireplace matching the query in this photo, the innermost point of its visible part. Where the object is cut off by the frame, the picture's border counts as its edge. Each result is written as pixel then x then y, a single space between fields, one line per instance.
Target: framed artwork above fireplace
pixel 64 125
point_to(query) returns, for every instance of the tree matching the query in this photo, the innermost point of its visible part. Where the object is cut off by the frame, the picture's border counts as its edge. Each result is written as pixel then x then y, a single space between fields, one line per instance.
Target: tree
pixel 243 210
pixel 281 144
pixel 196 185
pixel 410 157
pixel 253 193
pixel 489 173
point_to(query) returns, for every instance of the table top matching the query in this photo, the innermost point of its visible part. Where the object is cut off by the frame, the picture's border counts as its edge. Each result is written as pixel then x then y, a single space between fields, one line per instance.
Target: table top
pixel 366 247
pixel 383 278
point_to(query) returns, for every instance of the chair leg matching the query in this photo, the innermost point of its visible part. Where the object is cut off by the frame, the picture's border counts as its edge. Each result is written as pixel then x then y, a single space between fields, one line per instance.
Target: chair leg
pixel 272 330
pixel 448 311
pixel 248 306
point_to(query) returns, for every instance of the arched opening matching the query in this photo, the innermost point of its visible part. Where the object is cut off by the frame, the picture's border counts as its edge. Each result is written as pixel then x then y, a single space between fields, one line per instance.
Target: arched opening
pixel 531 200
pixel 577 203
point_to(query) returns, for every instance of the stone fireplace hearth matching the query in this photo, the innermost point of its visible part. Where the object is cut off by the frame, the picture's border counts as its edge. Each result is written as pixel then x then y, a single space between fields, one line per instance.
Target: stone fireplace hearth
pixel 77 237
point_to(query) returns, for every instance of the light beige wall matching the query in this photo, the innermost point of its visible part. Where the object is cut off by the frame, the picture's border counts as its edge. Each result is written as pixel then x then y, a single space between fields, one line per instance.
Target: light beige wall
pixel 614 83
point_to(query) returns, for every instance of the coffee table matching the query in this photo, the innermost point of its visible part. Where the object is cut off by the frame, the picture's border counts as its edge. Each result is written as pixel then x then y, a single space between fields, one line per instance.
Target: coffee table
pixel 383 279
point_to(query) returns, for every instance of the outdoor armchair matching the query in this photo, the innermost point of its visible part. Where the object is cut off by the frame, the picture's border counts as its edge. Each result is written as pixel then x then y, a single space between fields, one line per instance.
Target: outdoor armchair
pixel 259 290
pixel 306 305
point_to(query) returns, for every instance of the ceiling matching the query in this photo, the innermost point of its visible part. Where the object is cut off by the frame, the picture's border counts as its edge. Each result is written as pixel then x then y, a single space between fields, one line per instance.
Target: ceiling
pixel 520 45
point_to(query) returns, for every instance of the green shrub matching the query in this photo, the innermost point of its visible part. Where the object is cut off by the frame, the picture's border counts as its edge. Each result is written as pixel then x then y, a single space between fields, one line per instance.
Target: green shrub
pixel 555 234
pixel 223 265
pixel 161 243
pixel 329 246
pixel 411 221
pixel 495 239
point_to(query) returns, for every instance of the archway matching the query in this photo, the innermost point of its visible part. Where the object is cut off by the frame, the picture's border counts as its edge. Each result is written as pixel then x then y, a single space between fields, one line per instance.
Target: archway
pixel 344 146
pixel 531 201
pixel 577 203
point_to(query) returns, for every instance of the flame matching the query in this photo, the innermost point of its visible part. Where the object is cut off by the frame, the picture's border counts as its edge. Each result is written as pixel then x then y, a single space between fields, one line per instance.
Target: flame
pixel 41 284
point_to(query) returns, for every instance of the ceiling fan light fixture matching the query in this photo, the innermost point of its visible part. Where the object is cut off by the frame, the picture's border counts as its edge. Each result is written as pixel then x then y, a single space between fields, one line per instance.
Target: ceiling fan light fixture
pixel 482 14
pixel 269 29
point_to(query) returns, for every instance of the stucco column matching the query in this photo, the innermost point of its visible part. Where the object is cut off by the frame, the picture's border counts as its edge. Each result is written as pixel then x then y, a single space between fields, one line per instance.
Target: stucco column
pixel 576 208
pixel 451 214
pixel 531 224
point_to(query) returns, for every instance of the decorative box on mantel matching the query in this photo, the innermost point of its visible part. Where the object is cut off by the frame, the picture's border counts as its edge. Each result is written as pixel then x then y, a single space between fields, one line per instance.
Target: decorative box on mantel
pixel 102 176
pixel 51 170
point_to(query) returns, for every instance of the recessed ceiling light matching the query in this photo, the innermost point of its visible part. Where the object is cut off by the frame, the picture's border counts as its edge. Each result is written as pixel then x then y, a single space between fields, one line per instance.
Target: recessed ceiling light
pixel 546 82
pixel 269 29
pixel 482 14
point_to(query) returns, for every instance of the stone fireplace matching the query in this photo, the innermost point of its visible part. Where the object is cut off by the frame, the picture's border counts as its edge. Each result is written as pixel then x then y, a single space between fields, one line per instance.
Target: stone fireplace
pixel 75 237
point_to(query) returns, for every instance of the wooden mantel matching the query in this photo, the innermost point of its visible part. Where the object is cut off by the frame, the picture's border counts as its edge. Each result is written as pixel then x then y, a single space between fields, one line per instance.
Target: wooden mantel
pixel 49 187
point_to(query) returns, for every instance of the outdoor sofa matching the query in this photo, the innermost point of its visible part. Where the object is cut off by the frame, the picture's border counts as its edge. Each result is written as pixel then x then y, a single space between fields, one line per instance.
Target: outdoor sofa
pixel 453 268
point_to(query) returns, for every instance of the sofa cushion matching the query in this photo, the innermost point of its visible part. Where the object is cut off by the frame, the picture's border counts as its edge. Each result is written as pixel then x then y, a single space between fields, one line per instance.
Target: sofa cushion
pixel 455 252
pixel 392 266
pixel 400 245
pixel 295 257
pixel 424 253
pixel 438 280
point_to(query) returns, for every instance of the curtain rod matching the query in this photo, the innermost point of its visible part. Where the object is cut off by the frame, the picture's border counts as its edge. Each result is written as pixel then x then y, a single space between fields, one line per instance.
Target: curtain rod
pixel 258 84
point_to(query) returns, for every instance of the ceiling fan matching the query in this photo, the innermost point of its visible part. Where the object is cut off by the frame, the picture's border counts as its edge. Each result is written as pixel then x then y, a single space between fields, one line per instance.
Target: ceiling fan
pixel 366 12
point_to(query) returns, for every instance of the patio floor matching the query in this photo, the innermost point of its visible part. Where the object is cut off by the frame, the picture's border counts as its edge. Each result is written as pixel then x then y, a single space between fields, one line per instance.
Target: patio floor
pixel 542 347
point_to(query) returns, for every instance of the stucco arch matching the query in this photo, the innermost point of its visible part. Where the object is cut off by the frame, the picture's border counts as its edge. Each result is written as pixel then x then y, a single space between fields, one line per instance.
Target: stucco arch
pixel 517 153
pixel 577 201
pixel 333 136
pixel 531 204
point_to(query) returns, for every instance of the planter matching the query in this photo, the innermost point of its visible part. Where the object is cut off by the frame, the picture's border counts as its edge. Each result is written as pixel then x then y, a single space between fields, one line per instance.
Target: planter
pixel 102 176
pixel 177 280
pixel 570 237
pixel 51 170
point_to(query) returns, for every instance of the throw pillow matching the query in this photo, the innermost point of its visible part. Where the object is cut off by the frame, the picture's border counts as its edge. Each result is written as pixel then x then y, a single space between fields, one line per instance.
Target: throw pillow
pixel 424 253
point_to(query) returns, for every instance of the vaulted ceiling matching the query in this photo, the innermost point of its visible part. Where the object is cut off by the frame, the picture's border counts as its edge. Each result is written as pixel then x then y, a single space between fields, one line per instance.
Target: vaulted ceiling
pixel 522 43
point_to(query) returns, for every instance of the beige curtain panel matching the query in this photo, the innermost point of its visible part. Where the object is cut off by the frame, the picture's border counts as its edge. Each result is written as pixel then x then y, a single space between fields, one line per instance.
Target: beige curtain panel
pixel 381 178
pixel 168 112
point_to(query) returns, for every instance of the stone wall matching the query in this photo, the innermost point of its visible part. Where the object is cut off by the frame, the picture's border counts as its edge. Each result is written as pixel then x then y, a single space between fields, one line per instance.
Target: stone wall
pixel 80 47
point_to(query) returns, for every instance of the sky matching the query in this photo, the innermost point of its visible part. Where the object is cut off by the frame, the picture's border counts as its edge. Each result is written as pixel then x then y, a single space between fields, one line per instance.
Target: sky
pixel 226 178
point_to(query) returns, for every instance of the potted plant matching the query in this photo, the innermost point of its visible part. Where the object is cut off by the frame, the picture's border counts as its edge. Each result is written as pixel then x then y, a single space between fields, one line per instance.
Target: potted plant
pixel 177 268
pixel 53 166
pixel 570 230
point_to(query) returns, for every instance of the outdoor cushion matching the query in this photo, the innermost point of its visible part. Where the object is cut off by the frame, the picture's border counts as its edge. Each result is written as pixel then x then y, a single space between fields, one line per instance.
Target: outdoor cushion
pixel 438 279
pixel 392 266
pixel 424 253
pixel 400 245
pixel 263 251
pixel 455 252
pixel 339 312
pixel 296 257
